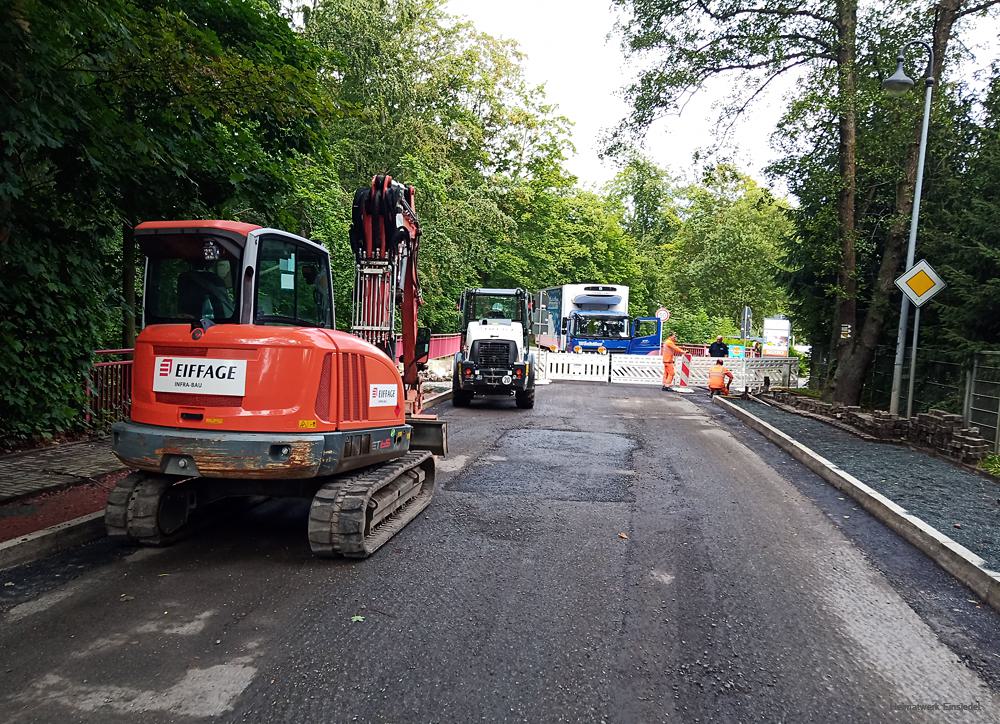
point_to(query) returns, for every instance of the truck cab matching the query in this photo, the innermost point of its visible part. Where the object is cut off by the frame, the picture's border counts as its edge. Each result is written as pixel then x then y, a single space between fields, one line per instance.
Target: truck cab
pixel 612 333
pixel 495 358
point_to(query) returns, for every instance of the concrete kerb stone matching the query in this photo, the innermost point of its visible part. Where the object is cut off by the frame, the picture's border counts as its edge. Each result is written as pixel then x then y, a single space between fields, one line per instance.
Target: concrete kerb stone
pixel 435 399
pixel 53 539
pixel 958 560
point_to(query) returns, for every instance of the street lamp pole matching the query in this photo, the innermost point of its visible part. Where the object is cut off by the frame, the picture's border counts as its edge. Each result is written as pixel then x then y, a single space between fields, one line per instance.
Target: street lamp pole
pixel 899 83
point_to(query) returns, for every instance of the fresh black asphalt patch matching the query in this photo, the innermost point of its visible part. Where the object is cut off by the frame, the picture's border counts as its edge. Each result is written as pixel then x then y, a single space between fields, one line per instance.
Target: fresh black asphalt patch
pixel 564 465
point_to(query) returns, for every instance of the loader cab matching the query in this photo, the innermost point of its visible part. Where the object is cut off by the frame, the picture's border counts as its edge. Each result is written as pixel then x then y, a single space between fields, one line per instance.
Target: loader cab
pixel 220 272
pixel 496 306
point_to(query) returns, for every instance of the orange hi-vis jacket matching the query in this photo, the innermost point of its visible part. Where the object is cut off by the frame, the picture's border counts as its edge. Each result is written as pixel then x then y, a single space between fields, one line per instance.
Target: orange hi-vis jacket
pixel 717 375
pixel 669 349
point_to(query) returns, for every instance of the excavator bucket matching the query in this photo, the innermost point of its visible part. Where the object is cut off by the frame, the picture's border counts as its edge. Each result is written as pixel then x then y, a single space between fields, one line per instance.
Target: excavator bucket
pixel 429 433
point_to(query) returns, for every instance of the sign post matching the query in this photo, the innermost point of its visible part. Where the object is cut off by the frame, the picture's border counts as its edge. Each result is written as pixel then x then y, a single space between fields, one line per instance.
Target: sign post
pixel 919 283
pixel 746 323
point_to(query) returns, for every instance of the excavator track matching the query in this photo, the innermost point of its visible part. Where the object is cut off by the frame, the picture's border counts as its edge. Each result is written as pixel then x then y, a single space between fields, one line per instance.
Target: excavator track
pixel 147 509
pixel 355 515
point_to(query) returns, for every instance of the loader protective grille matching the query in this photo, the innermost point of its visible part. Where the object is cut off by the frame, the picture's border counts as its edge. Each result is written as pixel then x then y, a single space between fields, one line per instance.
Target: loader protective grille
pixel 494 354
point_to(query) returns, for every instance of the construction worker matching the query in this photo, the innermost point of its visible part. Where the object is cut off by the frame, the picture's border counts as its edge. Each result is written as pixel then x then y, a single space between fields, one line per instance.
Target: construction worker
pixel 718 348
pixel 719 379
pixel 669 349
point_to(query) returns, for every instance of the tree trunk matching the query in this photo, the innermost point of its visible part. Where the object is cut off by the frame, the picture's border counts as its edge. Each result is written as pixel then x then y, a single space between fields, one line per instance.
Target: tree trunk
pixel 847 281
pixel 853 367
pixel 128 285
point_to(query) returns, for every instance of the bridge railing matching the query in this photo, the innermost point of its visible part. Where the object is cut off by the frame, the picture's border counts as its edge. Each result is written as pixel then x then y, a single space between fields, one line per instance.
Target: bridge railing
pixel 442 345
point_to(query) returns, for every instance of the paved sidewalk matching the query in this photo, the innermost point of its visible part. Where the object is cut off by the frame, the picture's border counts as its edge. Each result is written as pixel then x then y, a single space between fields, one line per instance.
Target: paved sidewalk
pixel 35 471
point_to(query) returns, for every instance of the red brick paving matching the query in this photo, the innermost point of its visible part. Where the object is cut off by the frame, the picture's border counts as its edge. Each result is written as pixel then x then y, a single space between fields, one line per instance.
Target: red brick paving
pixel 30 514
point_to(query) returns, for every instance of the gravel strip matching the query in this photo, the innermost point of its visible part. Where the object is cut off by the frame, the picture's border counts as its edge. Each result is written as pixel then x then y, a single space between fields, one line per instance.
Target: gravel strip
pixel 960 504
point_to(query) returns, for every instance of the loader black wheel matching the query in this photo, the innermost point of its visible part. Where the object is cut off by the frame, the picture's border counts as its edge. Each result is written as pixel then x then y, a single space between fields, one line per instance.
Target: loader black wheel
pixel 148 509
pixel 459 397
pixel 526 399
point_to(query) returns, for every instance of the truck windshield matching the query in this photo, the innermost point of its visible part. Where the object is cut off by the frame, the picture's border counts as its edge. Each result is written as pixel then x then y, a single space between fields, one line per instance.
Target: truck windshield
pixel 601 327
pixel 491 306
pixel 186 283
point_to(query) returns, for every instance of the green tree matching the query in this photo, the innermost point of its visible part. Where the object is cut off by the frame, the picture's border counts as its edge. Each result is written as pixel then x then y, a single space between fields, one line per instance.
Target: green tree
pixel 760 42
pixel 118 111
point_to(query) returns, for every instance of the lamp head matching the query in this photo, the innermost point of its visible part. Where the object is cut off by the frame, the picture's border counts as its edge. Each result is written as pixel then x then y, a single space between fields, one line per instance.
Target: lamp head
pixel 899 82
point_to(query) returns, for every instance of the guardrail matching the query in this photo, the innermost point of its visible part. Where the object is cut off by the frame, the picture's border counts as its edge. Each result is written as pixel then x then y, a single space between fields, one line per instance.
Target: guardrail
pixel 109 384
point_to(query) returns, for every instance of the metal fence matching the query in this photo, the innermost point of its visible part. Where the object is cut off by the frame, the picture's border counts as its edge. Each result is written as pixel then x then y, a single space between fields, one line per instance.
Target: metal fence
pixel 109 387
pixel 982 396
pixel 939 382
pixel 971 389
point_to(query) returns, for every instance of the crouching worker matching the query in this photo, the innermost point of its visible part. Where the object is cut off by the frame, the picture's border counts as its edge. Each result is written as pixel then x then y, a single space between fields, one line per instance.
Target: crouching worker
pixel 719 379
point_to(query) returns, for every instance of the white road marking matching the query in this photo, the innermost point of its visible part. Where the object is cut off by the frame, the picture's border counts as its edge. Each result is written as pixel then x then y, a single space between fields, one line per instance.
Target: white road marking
pixel 200 693
pixel 42 603
pixel 661 577
pixel 452 463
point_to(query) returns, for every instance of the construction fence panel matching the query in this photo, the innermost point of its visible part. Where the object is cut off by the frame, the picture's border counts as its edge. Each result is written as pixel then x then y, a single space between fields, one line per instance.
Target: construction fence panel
pixel 631 369
pixel 780 371
pixel 580 367
pixel 636 369
pixel 541 365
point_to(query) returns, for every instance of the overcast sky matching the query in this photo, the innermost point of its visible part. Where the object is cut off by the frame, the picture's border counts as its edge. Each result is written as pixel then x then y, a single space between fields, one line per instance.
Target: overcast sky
pixel 583 71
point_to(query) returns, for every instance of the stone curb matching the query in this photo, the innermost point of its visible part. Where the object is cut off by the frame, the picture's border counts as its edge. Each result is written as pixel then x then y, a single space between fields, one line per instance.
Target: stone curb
pixel 435 399
pixel 958 560
pixel 53 539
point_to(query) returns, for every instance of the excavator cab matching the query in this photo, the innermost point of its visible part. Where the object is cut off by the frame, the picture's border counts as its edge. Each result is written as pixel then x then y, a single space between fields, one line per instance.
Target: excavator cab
pixel 242 386
pixel 230 273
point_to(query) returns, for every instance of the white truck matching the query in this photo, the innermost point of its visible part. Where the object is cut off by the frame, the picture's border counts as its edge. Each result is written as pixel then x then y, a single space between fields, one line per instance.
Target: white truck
pixel 592 318
pixel 495 358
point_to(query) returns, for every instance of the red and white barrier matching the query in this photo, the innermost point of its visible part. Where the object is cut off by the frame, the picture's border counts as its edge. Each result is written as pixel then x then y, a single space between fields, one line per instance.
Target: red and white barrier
pixel 685 376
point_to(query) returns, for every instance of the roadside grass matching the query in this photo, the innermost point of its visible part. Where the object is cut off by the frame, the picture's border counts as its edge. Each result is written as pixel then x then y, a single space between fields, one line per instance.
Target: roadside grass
pixel 991 464
pixel 808 392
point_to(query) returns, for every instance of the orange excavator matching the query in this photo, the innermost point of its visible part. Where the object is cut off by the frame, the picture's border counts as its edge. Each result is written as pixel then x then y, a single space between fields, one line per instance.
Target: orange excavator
pixel 242 386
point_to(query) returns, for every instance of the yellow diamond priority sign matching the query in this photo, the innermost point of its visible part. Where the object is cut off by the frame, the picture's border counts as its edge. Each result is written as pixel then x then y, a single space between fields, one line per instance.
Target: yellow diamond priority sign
pixel 920 282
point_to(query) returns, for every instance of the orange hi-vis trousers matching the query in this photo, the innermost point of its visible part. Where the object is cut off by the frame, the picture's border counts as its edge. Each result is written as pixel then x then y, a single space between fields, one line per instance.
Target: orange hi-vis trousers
pixel 668 372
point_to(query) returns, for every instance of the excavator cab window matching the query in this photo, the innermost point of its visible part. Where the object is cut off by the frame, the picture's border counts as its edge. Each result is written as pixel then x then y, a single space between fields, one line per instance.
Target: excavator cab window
pixel 293 285
pixel 185 284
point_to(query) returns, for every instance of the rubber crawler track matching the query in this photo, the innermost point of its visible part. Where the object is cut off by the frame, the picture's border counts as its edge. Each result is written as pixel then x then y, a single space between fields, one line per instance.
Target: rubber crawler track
pixel 133 509
pixel 339 515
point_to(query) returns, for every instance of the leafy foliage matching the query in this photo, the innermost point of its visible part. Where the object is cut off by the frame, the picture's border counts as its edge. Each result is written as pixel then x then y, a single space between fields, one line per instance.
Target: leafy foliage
pixel 130 110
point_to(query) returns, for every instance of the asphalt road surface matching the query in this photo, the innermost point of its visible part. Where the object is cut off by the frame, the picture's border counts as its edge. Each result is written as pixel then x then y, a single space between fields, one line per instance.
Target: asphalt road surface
pixel 616 554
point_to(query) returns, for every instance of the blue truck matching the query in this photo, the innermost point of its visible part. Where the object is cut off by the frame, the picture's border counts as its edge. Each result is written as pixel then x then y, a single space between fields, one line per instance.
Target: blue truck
pixel 592 318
